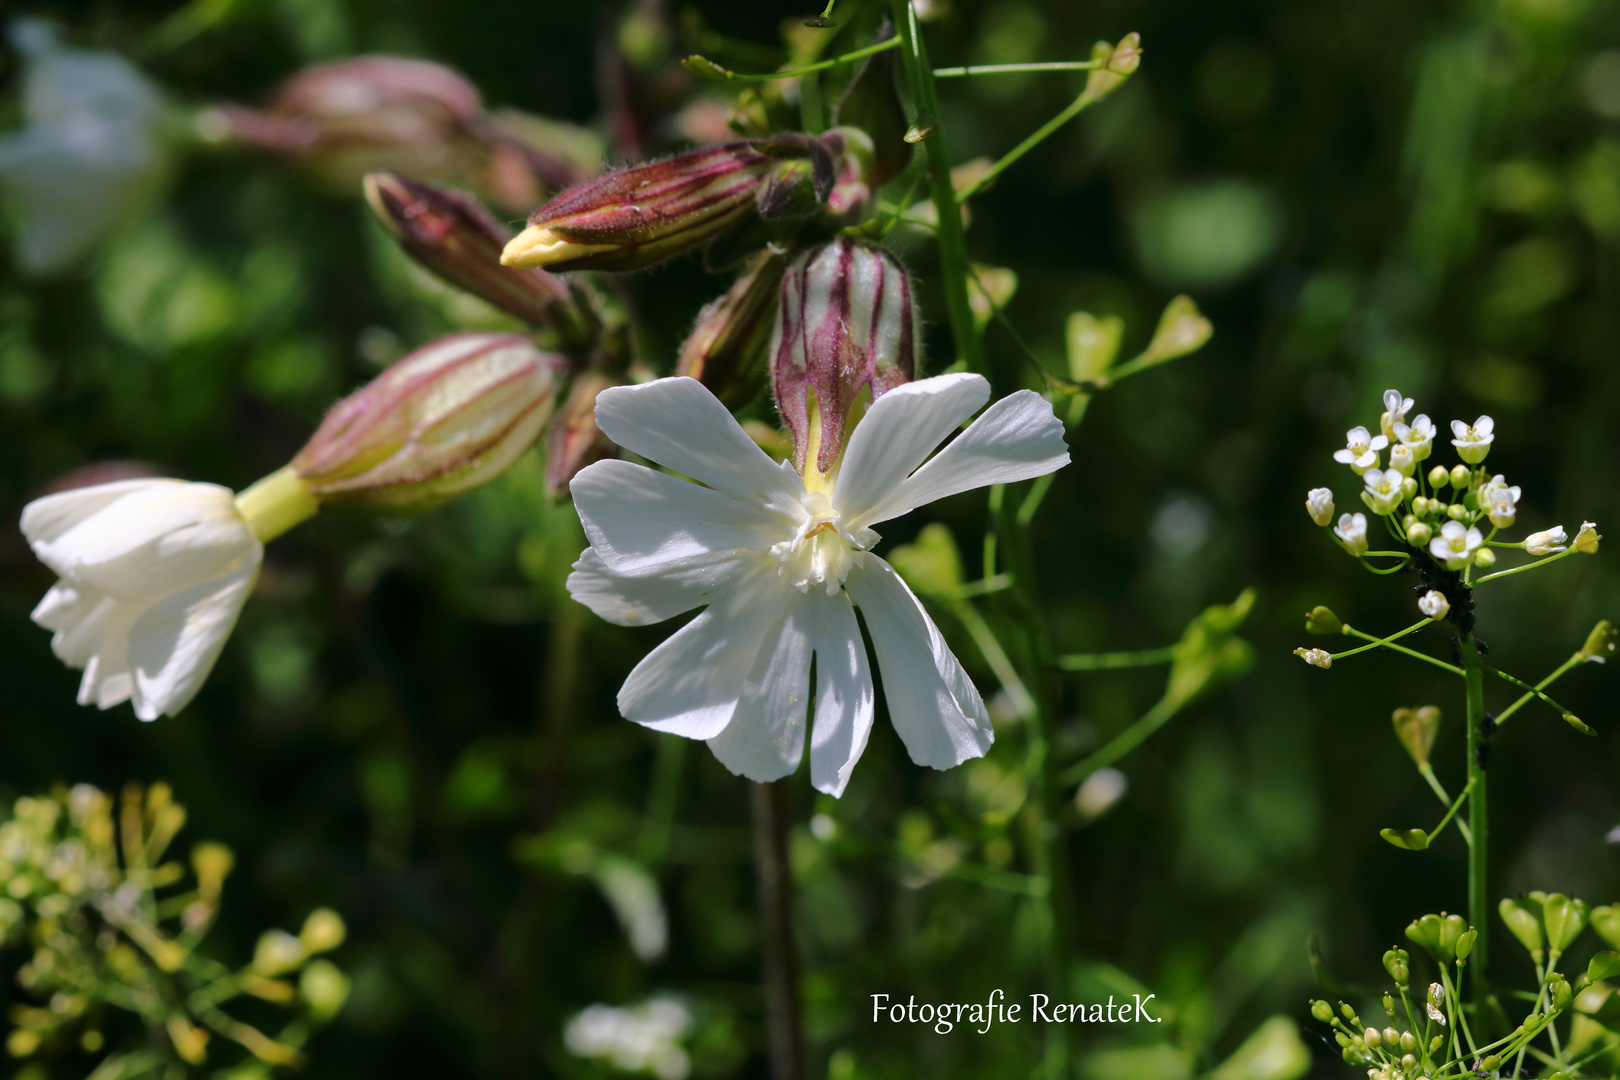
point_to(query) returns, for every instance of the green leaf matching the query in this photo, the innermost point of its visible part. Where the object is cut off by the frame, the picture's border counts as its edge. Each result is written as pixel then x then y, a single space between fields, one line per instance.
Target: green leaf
pixel 1274 1051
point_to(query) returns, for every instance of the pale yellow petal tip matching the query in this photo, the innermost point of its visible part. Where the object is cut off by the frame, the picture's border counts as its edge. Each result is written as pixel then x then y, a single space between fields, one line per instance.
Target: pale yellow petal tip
pixel 539 246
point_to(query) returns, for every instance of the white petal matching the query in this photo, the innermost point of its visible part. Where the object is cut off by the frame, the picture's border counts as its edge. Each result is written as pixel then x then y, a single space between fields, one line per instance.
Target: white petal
pixel 638 519
pixel 1017 438
pixel 765 739
pixel 176 642
pixel 643 599
pixel 897 433
pixel 681 425
pixel 690 684
pixel 45 519
pixel 844 697
pixel 934 706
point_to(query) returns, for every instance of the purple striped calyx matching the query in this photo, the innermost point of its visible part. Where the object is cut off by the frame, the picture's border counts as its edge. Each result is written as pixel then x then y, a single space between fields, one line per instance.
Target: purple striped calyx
pixel 847 332
pixel 638 216
pixel 440 421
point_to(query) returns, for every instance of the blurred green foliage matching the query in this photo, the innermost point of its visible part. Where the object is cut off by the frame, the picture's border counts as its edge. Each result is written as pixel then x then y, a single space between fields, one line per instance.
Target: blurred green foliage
pixel 414 726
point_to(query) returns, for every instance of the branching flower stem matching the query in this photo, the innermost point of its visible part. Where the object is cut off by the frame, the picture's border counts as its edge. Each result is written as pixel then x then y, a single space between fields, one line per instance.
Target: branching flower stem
pixel 1013 69
pixel 1527 566
pixel 1123 743
pixel 1388 643
pixel 1534 691
pixel 1427 772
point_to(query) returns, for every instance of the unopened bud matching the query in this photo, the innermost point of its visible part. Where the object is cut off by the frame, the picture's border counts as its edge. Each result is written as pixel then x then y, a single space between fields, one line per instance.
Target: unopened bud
pixel 1465 943
pixel 1484 558
pixel 574 440
pixel 1322 1011
pixel 1409 487
pixel 1114 64
pixel 1548 542
pixel 1460 475
pixel 1559 993
pixel 1419 533
pixel 635 217
pixel 1372 1037
pixel 1319 505
pixel 456 239
pixel 847 331
pixel 725 348
pixel 323 931
pixel 212 863
pixel 324 989
pixel 1320 620
pixel 277 952
pixel 444 419
pixel 1416 730
pixel 1439 476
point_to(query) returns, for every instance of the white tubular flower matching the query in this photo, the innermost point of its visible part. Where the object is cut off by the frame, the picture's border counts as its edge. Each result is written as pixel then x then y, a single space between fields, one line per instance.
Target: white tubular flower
pixel 1384 490
pixel 1319 504
pixel 782 566
pixel 153 574
pixel 1434 604
pixel 1473 442
pixel 1352 529
pixel 91 157
pixel 1456 545
pixel 1550 542
pixel 1315 657
pixel 1361 450
pixel 1586 539
pixel 1395 410
pixel 1500 502
pixel 1418 436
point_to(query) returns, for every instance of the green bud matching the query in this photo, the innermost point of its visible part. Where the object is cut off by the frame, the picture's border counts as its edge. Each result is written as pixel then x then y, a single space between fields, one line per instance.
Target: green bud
pixel 1408 1062
pixel 1409 487
pixel 1606 921
pixel 1416 729
pixel 323 931
pixel 1349 1013
pixel 1322 1011
pixel 1600 643
pixel 1490 1063
pixel 1460 475
pixel 1524 924
pixel 1389 1004
pixel 1604 965
pixel 1408 1041
pixel 1436 1043
pixel 1418 535
pixel 277 952
pixel 1392 1037
pixel 1465 944
pixel 1372 1037
pixel 324 989
pixel 1351 1055
pixel 1457 511
pixel 1319 620
pixel 1439 477
pixel 1420 506
pixel 1342 1039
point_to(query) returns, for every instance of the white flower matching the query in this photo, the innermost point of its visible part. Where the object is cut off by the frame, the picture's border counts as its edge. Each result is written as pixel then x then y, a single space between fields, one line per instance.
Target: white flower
pixel 1473 442
pixel 644 1037
pixel 1352 529
pixel 781 568
pixel 1500 502
pixel 1315 657
pixel 1384 490
pixel 153 574
pixel 1456 544
pixel 1419 436
pixel 1319 504
pixel 91 157
pixel 1402 460
pixel 1434 604
pixel 1361 449
pixel 1586 539
pixel 1395 410
pixel 1550 542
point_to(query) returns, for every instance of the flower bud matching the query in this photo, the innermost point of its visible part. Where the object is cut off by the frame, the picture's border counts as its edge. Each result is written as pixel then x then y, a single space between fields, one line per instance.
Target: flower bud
pixel 1460 475
pixel 444 419
pixel 1484 558
pixel 324 989
pixel 574 440
pixel 847 331
pixel 1322 1011
pixel 1559 993
pixel 635 217
pixel 1372 1037
pixel 732 334
pixel 1434 603
pixel 276 953
pixel 1409 487
pixel 452 236
pixel 1550 542
pixel 323 931
pixel 1319 620
pixel 1402 460
pixel 1315 657
pixel 1419 533
pixel 1586 539
pixel 1438 477
pixel 1319 505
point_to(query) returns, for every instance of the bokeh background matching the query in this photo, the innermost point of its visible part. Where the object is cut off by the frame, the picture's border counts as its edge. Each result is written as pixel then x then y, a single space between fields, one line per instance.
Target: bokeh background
pixel 412 723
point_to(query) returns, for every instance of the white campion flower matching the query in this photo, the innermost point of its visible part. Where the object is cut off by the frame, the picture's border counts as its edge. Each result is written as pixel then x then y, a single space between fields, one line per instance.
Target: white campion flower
pixel 1319 504
pixel 1418 436
pixel 1352 529
pixel 1384 490
pixel 1501 502
pixel 1361 450
pixel 153 575
pixel 1550 542
pixel 1395 409
pixel 781 567
pixel 1456 545
pixel 1434 604
pixel 1586 538
pixel 92 155
pixel 1473 441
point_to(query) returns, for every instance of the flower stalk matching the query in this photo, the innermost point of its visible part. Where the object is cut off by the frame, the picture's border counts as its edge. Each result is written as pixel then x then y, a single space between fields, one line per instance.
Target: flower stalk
pixel 779 954
pixel 1478 821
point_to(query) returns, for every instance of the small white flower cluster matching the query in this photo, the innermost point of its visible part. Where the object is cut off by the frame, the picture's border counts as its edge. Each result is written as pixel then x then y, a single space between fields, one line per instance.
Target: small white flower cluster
pixel 637 1038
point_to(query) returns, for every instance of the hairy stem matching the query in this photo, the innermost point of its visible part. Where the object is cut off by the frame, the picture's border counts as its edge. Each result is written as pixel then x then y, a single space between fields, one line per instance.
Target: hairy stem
pixel 779 956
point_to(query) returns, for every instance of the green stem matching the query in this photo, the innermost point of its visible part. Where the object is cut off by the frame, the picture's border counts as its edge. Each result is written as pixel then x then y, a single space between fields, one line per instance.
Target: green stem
pixel 1075 108
pixel 1522 685
pixel 996 657
pixel 952 241
pixel 1427 772
pixel 1478 822
pixel 1012 69
pixel 1121 744
pixel 1557 674
pixel 1388 644
pixel 1526 566
pixel 1455 806
pixel 708 69
pixel 1111 661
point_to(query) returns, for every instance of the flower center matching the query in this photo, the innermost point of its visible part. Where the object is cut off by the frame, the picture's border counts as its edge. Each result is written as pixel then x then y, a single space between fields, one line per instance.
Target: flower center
pixel 819 553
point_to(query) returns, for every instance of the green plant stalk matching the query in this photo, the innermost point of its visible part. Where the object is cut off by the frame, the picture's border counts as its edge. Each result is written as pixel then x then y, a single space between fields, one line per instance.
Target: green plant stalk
pixel 1123 743
pixel 1529 696
pixel 1110 661
pixel 1478 822
pixel 952 241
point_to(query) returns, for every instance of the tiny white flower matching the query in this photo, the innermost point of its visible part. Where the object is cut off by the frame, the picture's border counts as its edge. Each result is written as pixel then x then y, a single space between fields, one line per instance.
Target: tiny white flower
pixel 1315 657
pixel 1099 792
pixel 1550 542
pixel 1402 460
pixel 636 1038
pixel 1473 442
pixel 1352 529
pixel 1419 436
pixel 1456 545
pixel 1586 539
pixel 1361 449
pixel 1434 604
pixel 1384 490
pixel 153 574
pixel 1319 504
pixel 1395 410
pixel 781 567
pixel 1500 502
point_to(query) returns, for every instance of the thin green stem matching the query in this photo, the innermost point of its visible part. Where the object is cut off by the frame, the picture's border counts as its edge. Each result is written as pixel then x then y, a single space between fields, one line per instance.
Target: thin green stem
pixel 1111 661
pixel 1350 631
pixel 1012 69
pixel 1526 566
pixel 1525 699
pixel 952 241
pixel 1032 502
pixel 708 69
pixel 996 657
pixel 1427 772
pixel 1453 668
pixel 1040 135
pixel 992 532
pixel 1463 794
pixel 1478 820
pixel 1522 685
pixel 1121 744
pixel 982 588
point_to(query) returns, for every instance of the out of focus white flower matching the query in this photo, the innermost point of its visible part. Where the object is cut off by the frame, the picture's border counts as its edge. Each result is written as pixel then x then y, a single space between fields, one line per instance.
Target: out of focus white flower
pixel 1434 604
pixel 1456 545
pixel 1319 504
pixel 636 1038
pixel 1361 449
pixel 1499 501
pixel 1384 490
pixel 1352 529
pixel 1099 792
pixel 1419 436
pixel 92 155
pixel 1586 539
pixel 153 574
pixel 1550 542
pixel 1473 442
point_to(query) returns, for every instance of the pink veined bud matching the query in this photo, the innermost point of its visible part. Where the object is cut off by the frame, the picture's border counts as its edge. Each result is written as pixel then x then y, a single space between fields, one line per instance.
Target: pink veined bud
pixel 635 217
pixel 733 332
pixel 454 237
pixel 847 331
pixel 442 420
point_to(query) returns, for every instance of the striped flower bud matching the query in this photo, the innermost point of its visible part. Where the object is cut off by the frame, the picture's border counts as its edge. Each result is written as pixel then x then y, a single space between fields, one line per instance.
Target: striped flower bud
pixel 444 419
pixel 635 217
pixel 733 332
pixel 456 239
pixel 847 331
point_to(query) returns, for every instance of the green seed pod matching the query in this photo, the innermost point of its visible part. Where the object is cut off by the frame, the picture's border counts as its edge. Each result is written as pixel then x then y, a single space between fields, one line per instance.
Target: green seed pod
pixel 1523 924
pixel 1349 1013
pixel 1559 993
pixel 1416 729
pixel 1319 620
pixel 1603 966
pixel 1389 1004
pixel 1465 944
pixel 1452 928
pixel 1426 932
pixel 1563 918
